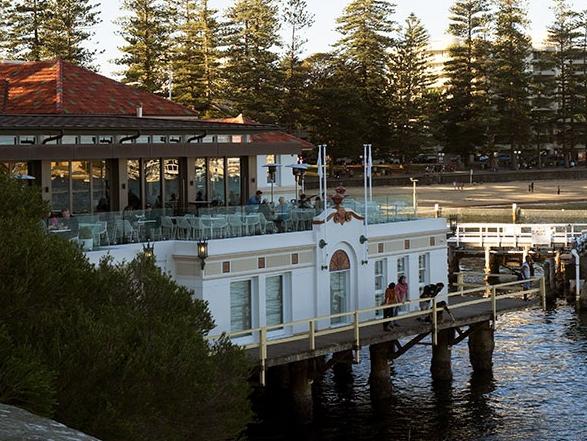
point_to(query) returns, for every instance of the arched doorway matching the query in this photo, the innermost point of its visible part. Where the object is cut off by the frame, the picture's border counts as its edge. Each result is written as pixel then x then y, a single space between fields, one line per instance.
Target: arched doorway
pixel 340 271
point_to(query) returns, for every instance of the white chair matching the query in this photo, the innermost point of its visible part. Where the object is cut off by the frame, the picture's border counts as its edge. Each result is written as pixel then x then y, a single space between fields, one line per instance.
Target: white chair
pixel 167 227
pixel 266 225
pixel 219 227
pixel 197 229
pixel 183 228
pixel 252 221
pixel 124 229
pixel 235 224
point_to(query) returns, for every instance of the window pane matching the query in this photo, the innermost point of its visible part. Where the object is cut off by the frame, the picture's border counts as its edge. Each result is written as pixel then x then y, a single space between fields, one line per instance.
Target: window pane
pixel 100 183
pixel 27 139
pixel 217 181
pixel 338 295
pixel 14 168
pixel 69 139
pixel 85 139
pixel 200 179
pixel 153 183
pixel 234 181
pixel 159 139
pixel 59 185
pixel 133 169
pixel 143 139
pixel 7 140
pixel 223 138
pixel 171 176
pixel 80 176
pixel 240 305
pixel 274 300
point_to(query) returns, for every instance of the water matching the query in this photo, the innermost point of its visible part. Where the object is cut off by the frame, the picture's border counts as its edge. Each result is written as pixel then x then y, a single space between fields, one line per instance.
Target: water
pixel 538 391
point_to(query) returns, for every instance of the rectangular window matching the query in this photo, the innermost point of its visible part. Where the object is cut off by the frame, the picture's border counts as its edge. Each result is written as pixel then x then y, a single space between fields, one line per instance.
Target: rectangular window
pixel 274 300
pixel 209 138
pixel 339 299
pixel 379 283
pixel 143 139
pixel 240 306
pixel 270 159
pixel 223 138
pixel 159 139
pixel 80 186
pixel 402 266
pixel 216 175
pixel 7 140
pixel 153 183
pixel 69 139
pixel 105 139
pixel 171 180
pixel 133 169
pixel 423 270
pixel 27 139
pixel 175 138
pixel 201 176
pixel 85 139
pixel 233 166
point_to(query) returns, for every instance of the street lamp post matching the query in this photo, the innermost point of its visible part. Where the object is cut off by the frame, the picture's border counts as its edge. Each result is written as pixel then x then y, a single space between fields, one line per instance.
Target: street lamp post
pixel 517 154
pixel 414 199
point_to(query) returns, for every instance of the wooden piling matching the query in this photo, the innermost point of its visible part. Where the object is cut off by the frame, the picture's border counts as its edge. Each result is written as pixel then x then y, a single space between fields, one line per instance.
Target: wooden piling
pixel 481 345
pixel 441 366
pixel 379 377
pixel 300 389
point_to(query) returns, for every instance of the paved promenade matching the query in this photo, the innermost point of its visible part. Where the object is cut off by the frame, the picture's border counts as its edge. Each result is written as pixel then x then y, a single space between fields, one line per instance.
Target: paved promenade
pixel 506 193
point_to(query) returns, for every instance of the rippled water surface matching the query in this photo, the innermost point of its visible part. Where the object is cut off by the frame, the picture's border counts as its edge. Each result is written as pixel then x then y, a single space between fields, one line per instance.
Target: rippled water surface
pixel 538 391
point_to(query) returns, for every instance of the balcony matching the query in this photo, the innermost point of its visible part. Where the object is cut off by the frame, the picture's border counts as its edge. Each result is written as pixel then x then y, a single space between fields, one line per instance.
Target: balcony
pixel 105 229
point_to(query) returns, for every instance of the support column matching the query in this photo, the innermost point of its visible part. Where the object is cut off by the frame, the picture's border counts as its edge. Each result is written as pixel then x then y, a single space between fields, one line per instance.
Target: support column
pixel 343 365
pixel 453 264
pixel 481 345
pixel 549 280
pixel 487 260
pixel 379 377
pixel 300 387
pixel 441 367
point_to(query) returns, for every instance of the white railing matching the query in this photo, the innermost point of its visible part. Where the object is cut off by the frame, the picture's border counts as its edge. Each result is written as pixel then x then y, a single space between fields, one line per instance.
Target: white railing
pixel 489 293
pixel 493 234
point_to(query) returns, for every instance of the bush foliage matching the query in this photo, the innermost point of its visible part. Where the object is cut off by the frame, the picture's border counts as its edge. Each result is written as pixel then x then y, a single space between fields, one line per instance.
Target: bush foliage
pixel 116 350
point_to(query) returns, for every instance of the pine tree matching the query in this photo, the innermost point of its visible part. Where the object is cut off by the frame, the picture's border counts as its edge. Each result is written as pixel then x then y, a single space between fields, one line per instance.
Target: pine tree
pixel 297 19
pixel 146 34
pixel 467 98
pixel 560 57
pixel 582 89
pixel 196 56
pixel 251 69
pixel 4 27
pixel 68 30
pixel 26 28
pixel 510 76
pixel 409 84
pixel 366 27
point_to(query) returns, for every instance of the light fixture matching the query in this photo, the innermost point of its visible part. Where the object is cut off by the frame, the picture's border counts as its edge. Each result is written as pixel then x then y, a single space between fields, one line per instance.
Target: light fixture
pixel 322 243
pixel 363 239
pixel 202 252
pixel 149 249
pixel 364 262
pixel 453 223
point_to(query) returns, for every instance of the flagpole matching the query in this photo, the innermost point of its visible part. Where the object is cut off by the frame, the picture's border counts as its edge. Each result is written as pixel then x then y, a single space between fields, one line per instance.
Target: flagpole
pixel 370 173
pixel 320 169
pixel 324 176
pixel 365 179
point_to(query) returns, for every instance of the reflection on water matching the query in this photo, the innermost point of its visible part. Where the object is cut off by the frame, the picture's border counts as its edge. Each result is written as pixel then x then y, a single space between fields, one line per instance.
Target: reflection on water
pixel 538 391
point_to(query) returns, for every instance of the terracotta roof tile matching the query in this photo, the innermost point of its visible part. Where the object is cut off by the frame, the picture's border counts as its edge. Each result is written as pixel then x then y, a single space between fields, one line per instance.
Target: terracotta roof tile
pixel 58 87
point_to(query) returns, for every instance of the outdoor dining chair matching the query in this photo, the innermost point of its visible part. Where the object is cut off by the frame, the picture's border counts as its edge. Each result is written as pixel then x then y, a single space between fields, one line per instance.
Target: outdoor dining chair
pixel 167 227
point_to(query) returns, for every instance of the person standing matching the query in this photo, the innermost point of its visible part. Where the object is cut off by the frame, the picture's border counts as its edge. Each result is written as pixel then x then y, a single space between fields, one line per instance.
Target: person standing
pixel 526 272
pixel 389 299
pixel 401 290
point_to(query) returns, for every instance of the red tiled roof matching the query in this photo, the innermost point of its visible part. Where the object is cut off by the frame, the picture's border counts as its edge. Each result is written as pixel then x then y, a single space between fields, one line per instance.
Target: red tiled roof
pixel 267 137
pixel 59 87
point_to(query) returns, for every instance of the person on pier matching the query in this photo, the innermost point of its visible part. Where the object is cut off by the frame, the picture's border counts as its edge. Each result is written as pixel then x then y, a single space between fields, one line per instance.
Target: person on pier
pixel 389 299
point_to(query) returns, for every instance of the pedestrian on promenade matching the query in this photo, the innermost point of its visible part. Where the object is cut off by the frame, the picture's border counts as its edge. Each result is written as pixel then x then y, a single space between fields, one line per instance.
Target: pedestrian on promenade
pixel 389 299
pixel 532 186
pixel 558 190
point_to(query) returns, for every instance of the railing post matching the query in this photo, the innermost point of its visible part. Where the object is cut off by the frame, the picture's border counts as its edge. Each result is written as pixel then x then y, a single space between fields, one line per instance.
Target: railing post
pixel 543 292
pixel 263 354
pixel 434 323
pixel 312 324
pixel 494 304
pixel 357 337
pixel 461 282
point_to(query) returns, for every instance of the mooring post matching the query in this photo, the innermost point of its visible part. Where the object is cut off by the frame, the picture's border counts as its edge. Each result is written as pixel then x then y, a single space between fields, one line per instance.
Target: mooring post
pixel 481 345
pixel 441 368
pixel 379 377
pixel 300 388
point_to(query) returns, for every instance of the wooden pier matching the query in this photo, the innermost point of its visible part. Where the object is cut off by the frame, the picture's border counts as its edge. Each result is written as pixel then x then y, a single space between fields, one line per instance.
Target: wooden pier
pixel 296 359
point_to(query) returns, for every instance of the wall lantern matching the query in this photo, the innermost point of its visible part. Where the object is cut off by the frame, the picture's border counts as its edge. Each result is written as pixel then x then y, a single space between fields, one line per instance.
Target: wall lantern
pixel 202 252
pixel 322 243
pixel 149 249
pixel 453 223
pixel 363 239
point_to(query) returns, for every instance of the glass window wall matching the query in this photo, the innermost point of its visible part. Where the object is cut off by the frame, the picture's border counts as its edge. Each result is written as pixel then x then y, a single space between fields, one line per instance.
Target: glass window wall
pixel 153 183
pixel 172 182
pixel 59 185
pixel 234 181
pixel 80 186
pixel 216 173
pixel 100 190
pixel 200 179
pixel 133 169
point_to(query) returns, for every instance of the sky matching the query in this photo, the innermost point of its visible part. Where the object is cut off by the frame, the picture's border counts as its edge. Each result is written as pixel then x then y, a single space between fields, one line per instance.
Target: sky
pixel 433 13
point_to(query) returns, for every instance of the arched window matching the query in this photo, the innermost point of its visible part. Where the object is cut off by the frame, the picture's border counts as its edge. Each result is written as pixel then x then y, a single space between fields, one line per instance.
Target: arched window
pixel 340 266
pixel 340 261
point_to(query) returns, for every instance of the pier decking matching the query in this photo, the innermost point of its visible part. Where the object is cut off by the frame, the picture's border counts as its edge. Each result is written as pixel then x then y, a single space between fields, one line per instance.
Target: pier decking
pixel 467 315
